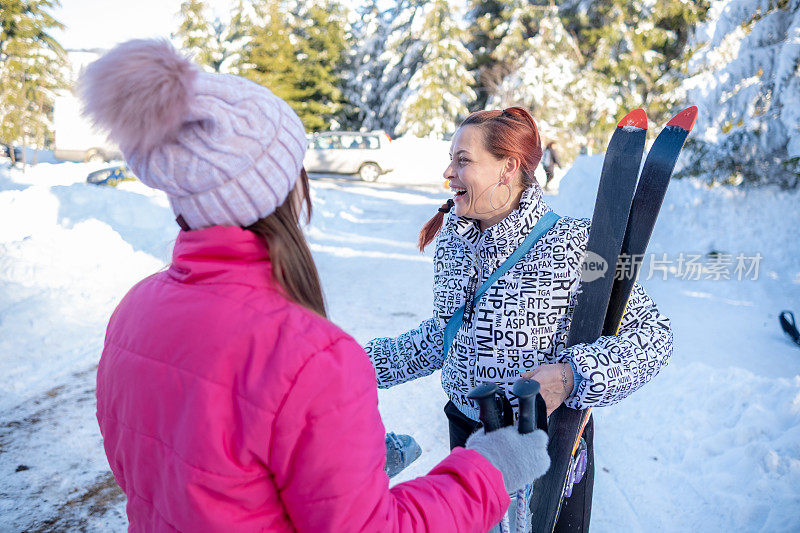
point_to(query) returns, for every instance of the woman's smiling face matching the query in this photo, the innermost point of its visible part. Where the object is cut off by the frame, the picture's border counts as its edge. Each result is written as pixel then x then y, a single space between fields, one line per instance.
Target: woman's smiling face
pixel 474 172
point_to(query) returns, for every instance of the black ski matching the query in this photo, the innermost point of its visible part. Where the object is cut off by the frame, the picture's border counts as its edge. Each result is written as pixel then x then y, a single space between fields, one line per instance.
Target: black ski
pixel 646 204
pixel 609 221
pixel 641 219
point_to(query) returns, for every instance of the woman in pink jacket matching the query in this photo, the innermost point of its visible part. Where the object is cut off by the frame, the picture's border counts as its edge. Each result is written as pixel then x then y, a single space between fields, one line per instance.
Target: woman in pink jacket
pixel 226 400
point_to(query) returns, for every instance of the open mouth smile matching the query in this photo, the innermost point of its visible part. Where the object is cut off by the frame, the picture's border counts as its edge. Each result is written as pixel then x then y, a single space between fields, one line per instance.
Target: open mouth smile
pixel 458 191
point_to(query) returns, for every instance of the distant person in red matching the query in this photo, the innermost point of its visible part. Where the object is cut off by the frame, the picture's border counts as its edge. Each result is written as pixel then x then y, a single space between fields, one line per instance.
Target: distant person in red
pixel 549 162
pixel 226 399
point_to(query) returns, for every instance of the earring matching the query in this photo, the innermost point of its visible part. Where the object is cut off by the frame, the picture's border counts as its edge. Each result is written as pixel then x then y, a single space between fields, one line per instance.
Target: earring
pixel 491 196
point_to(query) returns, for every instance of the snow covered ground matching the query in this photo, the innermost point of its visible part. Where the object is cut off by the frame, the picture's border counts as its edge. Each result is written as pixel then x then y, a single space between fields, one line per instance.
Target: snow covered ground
pixel 712 444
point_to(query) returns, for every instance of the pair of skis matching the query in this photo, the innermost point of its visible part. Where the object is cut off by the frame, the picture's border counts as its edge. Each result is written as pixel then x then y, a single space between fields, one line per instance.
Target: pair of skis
pixel 623 220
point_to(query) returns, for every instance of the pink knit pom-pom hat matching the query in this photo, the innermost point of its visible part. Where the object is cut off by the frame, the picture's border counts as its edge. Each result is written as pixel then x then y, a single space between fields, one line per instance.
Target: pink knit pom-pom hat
pixel 225 150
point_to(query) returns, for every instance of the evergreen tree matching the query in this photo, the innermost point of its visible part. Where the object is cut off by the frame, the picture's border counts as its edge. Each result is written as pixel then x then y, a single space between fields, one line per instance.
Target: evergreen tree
pixel 319 28
pixel 401 58
pixel 194 32
pixel 232 39
pixel 297 51
pixel 440 90
pixel 214 44
pixel 271 57
pixel 498 32
pixel 483 18
pixel 365 66
pixel 636 45
pixel 566 100
pixel 32 67
pixel 744 78
pixel 511 35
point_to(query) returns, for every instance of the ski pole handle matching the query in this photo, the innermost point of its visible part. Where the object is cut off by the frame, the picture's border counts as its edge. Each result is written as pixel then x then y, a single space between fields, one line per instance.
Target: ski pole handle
pixel 485 395
pixel 532 407
pixel 526 390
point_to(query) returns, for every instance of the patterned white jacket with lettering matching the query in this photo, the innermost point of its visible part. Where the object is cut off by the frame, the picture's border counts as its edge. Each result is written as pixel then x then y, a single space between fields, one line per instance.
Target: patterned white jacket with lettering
pixel 522 321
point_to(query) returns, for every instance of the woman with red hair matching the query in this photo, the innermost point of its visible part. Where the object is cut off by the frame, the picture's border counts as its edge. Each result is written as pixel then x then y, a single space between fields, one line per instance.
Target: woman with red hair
pixel 518 328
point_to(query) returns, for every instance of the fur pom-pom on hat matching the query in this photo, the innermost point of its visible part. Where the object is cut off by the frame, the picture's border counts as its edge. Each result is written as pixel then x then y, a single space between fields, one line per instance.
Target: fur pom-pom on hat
pixel 139 92
pixel 224 149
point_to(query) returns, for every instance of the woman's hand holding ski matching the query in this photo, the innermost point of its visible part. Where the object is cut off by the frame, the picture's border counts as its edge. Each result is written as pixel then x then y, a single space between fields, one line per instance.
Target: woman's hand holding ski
pixel 556 381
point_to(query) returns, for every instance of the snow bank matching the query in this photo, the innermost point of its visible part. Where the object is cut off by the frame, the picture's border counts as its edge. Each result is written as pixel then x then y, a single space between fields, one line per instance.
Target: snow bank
pixel 67 251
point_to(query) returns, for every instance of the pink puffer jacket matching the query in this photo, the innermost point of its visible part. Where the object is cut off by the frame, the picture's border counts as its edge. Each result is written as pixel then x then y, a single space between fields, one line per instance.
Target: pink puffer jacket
pixel 225 407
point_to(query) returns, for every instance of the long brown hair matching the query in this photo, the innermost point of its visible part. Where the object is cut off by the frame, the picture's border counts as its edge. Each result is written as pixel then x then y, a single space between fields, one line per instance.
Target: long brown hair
pixel 292 265
pixel 506 133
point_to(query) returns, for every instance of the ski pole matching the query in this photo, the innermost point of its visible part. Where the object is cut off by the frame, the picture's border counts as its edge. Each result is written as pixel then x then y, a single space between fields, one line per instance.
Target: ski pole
pixel 532 408
pixel 489 415
pixel 532 414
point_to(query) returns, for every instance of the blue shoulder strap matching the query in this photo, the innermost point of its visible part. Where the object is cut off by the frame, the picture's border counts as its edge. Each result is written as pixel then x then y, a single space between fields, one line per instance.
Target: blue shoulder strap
pixel 544 224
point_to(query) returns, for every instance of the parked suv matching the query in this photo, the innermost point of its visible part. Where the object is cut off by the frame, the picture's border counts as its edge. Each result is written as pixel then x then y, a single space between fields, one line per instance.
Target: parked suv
pixel 350 152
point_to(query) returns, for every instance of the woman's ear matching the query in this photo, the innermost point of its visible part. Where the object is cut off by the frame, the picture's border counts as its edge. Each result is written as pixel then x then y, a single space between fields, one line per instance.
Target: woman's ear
pixel 510 169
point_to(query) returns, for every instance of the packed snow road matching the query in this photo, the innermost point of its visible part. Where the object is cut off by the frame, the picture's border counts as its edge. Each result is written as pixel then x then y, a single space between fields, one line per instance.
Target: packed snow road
pixel 711 444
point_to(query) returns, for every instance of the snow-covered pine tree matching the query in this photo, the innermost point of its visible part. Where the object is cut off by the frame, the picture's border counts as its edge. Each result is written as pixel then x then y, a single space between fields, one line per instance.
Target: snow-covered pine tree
pixel 519 24
pixel 230 37
pixel 483 19
pixel 565 98
pixel 32 66
pixel 635 45
pixel 402 56
pixel 365 68
pixel 216 44
pixel 195 33
pixel 440 90
pixel 745 78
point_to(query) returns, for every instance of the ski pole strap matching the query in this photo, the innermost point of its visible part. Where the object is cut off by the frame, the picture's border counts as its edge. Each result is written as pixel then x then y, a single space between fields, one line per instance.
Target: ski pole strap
pixel 544 224
pixel 789 326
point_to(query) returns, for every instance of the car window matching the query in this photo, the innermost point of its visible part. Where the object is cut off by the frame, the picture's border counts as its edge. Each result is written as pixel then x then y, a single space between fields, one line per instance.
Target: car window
pixel 354 142
pixel 327 142
pixel 346 141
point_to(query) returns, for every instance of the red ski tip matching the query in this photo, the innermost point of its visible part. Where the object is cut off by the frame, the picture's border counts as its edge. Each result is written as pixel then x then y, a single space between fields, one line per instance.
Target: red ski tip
pixel 636 118
pixel 685 119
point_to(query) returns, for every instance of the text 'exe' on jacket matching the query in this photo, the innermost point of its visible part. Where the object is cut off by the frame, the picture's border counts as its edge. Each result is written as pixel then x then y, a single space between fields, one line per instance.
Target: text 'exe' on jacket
pixel 226 407
pixel 522 321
